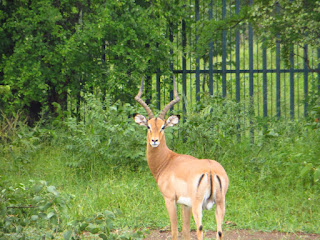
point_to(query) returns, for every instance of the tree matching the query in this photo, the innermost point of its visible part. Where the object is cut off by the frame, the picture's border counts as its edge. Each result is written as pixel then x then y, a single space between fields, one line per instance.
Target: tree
pixel 54 50
pixel 288 22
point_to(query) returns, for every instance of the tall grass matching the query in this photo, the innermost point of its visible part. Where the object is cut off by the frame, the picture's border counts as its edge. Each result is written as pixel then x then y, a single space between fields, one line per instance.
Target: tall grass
pixel 273 165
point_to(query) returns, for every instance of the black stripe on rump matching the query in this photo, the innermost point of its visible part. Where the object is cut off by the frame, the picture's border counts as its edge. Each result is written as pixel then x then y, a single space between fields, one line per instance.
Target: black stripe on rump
pixel 219 182
pixel 210 186
pixel 200 180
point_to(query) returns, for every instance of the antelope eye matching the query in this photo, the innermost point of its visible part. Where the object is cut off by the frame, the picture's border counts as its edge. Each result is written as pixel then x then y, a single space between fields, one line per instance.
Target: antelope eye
pixel 163 127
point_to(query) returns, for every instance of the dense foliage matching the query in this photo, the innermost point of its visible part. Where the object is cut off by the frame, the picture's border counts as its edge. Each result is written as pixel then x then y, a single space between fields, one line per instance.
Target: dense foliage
pixel 54 50
pixel 35 210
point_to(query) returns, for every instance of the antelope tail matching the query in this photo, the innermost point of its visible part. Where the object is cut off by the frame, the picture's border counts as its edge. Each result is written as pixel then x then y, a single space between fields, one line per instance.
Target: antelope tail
pixel 215 185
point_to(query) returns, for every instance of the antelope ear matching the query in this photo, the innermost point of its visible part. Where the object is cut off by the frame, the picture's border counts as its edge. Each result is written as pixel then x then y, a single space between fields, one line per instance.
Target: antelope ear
pixel 172 120
pixel 140 119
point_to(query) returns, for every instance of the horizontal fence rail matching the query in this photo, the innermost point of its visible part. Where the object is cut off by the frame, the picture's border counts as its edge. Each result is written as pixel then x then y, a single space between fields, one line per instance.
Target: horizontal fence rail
pixel 237 67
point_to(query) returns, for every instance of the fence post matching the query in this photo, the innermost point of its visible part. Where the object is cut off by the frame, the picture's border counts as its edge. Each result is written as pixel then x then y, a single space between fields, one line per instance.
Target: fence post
pixel 197 18
pixel 278 85
pixel 238 55
pixel 265 83
pixel 319 72
pixel 158 87
pixel 224 52
pixel 211 54
pixel 305 77
pixel 291 83
pixel 148 88
pixel 251 63
pixel 184 67
pixel 251 100
pixel 171 60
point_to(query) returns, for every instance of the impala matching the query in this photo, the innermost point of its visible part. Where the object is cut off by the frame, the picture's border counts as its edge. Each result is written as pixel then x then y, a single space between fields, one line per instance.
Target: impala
pixel 195 184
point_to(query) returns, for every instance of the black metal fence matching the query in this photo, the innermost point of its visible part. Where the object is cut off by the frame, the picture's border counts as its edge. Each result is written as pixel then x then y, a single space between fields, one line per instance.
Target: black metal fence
pixel 237 67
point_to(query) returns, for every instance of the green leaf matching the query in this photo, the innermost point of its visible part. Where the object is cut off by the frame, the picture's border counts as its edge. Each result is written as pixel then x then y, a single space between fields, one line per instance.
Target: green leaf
pixel 316 175
pixel 83 226
pixel 50 215
pixel 43 215
pixel 37 188
pixel 306 170
pixel 19 229
pixel 109 214
pixel 52 189
pixel 94 229
pixel 103 236
pixel 67 234
pixel 46 206
pixel 37 199
pixel 34 217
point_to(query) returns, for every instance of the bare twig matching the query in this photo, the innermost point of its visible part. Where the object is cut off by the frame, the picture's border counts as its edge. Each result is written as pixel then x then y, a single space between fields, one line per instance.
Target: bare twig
pixel 30 206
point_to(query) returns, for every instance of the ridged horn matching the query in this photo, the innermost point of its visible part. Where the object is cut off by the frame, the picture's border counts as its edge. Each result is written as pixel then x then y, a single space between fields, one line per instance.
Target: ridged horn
pixel 141 102
pixel 173 102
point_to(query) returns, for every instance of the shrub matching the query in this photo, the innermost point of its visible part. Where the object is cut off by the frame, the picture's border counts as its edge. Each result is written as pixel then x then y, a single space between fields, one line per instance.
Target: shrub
pixel 105 136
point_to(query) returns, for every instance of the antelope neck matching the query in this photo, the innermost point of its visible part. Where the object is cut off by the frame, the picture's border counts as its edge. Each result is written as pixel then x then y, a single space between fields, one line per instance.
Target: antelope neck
pixel 158 158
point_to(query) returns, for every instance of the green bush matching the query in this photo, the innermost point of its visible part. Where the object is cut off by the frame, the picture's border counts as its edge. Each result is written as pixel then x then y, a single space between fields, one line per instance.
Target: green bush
pixel 105 136
pixel 31 211
pixel 37 211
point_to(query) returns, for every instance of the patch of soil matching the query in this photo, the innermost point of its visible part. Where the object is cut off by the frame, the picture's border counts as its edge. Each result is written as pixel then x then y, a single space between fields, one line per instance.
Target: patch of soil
pixel 238 235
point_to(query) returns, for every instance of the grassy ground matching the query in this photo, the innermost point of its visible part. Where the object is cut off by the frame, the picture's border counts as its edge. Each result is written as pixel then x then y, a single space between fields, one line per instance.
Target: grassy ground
pixel 273 179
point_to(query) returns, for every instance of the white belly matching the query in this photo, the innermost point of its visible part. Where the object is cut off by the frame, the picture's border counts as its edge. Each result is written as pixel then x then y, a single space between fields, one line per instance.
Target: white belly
pixel 185 201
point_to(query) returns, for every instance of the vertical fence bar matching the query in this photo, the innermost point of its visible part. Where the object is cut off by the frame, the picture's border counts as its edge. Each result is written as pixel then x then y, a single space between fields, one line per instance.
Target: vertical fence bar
pixel 298 82
pixel 305 77
pixel 224 52
pixel 171 58
pixel 265 87
pixel 238 55
pixel 190 67
pixel 237 52
pixel 278 85
pixel 79 99
pixel 251 99
pixel 291 83
pixel 190 64
pixel 230 51
pixel 158 89
pixel 197 18
pixel 211 54
pixel 313 78
pixel 251 68
pixel 148 88
pixel 271 84
pixel 258 79
pixel 319 72
pixel 184 67
pixel 251 63
pixel 216 47
pixel 278 92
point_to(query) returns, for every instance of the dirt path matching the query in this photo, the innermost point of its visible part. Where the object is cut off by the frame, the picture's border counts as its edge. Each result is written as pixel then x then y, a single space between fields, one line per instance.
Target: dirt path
pixel 239 235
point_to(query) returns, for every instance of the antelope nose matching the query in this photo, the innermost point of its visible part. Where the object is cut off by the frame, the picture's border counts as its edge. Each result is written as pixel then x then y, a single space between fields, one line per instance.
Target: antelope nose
pixel 155 142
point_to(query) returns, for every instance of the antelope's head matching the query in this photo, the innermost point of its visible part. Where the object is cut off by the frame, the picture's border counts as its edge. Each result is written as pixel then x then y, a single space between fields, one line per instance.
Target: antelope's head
pixel 156 125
